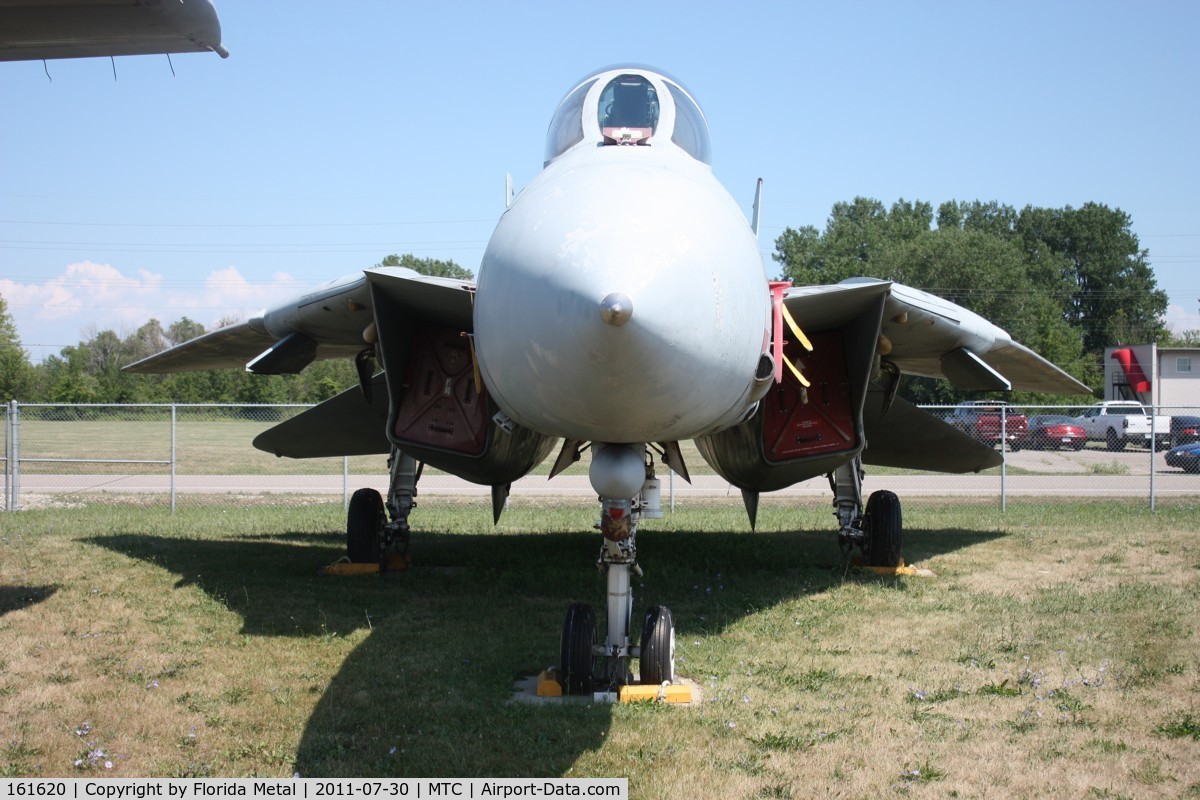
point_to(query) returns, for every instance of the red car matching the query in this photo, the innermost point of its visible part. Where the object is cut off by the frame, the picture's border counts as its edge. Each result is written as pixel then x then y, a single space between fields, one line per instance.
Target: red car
pixel 1051 431
pixel 981 419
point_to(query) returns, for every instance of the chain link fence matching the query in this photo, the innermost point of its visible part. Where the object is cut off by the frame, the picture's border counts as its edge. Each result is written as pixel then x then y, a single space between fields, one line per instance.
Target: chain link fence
pixel 63 455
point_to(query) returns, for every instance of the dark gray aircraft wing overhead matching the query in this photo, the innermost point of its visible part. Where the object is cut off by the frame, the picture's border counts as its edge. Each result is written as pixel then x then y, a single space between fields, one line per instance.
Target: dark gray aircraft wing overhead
pixel 38 29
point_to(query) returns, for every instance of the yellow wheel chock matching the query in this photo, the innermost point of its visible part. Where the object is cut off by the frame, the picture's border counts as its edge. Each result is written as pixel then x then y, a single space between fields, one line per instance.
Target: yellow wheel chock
pixel 680 693
pixel 344 566
pixel 902 569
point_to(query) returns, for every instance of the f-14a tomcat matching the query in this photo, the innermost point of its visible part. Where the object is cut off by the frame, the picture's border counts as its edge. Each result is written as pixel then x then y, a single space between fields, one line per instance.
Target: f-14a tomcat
pixel 622 304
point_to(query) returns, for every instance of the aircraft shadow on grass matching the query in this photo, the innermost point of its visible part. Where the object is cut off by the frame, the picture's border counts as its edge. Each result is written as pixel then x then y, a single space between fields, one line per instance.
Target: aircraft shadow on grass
pixel 425 693
pixel 14 598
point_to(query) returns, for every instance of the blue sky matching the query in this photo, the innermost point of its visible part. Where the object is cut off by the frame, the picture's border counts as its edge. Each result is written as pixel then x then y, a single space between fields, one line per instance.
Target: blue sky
pixel 338 133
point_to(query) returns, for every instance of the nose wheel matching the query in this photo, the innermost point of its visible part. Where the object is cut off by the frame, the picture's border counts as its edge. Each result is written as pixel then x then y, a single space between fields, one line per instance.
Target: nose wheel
pixel 587 666
pixel 587 662
pixel 658 647
pixel 577 656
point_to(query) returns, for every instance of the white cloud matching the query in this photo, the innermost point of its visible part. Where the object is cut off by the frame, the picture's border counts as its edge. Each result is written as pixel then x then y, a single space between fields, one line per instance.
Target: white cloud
pixel 1180 318
pixel 86 297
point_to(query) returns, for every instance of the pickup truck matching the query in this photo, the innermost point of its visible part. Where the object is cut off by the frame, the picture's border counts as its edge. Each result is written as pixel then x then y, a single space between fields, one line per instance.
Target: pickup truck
pixel 981 419
pixel 1121 422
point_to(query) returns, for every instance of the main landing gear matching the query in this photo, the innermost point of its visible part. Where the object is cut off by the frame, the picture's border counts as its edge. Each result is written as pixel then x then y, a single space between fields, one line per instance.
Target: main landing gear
pixel 586 664
pixel 878 530
pixel 369 533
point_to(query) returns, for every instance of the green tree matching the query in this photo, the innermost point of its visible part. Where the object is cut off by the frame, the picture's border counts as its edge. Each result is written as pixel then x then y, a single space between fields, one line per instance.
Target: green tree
pixel 183 329
pixel 322 380
pixel 1114 297
pixel 857 236
pixel 1188 338
pixel 16 373
pixel 1064 282
pixel 67 379
pixel 427 266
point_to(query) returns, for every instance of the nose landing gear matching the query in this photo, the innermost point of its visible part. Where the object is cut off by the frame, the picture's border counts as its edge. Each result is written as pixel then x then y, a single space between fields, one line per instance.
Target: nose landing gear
pixel 587 665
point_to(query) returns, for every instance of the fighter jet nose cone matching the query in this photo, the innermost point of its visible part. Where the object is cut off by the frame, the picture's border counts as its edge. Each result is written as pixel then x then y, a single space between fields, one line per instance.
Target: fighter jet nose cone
pixel 616 309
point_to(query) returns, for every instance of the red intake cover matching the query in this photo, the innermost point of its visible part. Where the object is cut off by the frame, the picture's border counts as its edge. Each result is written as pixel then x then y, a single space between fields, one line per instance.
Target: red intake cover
pixel 793 428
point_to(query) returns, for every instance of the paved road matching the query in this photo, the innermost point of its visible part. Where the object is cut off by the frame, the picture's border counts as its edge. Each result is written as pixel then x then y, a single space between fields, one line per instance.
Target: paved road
pixel 1078 484
pixel 1086 473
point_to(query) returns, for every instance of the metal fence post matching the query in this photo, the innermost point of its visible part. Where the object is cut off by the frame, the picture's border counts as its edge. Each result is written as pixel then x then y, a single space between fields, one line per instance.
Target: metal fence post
pixel 1003 458
pixel 15 461
pixel 345 483
pixel 172 458
pixel 1153 450
pixel 8 455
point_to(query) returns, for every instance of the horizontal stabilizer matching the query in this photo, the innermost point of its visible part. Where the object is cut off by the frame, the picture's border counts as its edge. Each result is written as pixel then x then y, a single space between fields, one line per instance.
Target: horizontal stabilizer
pixel 909 438
pixel 345 425
pixel 224 348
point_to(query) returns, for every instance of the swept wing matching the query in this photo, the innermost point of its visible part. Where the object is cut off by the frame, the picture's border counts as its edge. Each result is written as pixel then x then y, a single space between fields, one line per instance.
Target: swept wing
pixel 331 321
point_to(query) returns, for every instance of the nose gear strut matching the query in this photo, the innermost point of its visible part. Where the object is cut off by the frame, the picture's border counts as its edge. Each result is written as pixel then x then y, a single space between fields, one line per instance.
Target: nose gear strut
pixel 588 665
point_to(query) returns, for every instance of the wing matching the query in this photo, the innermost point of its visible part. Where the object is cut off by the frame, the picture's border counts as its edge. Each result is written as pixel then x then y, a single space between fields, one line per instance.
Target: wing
pixel 334 320
pixel 35 29
pixel 926 335
pixel 800 431
pixel 354 422
pixel 232 346
pixel 427 401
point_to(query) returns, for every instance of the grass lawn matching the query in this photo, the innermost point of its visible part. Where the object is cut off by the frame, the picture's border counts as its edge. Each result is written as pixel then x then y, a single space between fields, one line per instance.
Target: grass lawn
pixel 1054 654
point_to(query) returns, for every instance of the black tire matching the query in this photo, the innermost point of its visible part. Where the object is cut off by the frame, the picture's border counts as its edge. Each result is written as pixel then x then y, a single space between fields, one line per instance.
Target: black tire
pixel 884 527
pixel 657 663
pixel 576 662
pixel 364 527
pixel 1114 443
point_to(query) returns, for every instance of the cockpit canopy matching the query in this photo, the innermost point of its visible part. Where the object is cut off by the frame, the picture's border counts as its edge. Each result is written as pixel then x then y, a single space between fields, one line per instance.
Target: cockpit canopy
pixel 629 106
pixel 628 109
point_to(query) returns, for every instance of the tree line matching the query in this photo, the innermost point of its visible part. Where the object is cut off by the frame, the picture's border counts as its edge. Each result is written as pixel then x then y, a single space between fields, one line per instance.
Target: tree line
pixel 1067 282
pixel 90 372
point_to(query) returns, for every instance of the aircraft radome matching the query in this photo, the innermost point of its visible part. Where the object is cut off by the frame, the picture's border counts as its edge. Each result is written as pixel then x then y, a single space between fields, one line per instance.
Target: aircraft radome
pixel 622 304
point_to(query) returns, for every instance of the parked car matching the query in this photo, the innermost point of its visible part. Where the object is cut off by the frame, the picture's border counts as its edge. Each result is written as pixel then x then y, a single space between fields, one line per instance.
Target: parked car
pixel 981 419
pixel 1186 457
pixel 1184 430
pixel 1121 422
pixel 1051 431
